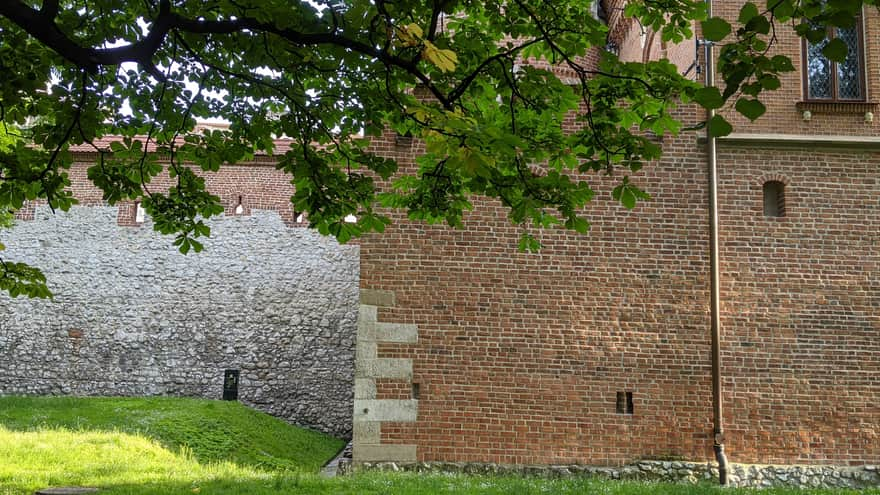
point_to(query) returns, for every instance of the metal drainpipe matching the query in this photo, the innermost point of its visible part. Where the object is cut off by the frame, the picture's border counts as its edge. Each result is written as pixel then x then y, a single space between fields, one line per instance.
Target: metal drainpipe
pixel 715 298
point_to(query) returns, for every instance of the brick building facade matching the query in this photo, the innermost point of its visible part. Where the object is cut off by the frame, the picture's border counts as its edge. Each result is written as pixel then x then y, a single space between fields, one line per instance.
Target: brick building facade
pixel 596 350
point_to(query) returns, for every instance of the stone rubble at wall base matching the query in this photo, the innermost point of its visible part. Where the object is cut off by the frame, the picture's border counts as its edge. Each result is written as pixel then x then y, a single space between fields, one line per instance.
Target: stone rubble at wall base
pixel 741 475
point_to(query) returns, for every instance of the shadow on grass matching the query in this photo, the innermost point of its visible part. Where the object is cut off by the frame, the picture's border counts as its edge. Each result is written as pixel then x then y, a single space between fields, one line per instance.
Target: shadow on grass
pixel 211 431
pixel 120 463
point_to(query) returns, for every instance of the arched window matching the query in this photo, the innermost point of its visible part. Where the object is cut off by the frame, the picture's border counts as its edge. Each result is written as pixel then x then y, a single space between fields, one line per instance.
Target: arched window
pixel 774 199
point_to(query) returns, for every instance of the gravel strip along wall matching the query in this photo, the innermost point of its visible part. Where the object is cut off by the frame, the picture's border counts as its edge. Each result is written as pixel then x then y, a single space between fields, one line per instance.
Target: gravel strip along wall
pixel 744 475
pixel 132 316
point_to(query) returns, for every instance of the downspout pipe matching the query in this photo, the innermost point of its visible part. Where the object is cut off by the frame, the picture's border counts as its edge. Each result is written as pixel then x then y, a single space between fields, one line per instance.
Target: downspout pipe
pixel 715 297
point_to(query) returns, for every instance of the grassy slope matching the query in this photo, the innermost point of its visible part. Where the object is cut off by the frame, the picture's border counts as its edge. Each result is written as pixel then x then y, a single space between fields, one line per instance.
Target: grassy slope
pixel 211 430
pixel 36 453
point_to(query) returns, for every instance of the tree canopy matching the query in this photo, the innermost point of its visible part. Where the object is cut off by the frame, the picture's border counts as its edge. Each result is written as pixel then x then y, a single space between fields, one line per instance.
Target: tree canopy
pixel 454 73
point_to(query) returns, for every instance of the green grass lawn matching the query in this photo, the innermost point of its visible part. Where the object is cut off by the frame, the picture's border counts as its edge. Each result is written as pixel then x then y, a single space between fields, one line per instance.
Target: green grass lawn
pixel 181 446
pixel 210 430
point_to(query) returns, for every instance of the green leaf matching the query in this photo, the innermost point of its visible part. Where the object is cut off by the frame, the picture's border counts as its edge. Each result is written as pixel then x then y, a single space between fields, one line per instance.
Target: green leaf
pixel 751 109
pixel 344 234
pixel 715 28
pixel 444 59
pixel 782 9
pixel 835 50
pixel 719 126
pixel 626 197
pixel 781 63
pixel 747 12
pixel 758 24
pixel 769 82
pixel 751 89
pixel 527 243
pixel 709 98
pixel 578 224
pixel 846 17
pixel 627 193
pixel 815 36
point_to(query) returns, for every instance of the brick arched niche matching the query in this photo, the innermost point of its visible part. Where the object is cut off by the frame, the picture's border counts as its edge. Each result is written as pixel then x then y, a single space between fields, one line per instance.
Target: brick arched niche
pixel 133 316
pixel 774 195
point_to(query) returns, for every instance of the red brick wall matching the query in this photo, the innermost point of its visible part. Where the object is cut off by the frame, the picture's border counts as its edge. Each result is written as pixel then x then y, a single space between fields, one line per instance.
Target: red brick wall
pixel 801 298
pixel 520 356
pixel 259 184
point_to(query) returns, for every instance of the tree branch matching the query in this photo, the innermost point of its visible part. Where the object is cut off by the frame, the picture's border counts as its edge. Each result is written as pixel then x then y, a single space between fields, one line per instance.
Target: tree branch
pixel 46 31
pixel 463 85
pixel 49 9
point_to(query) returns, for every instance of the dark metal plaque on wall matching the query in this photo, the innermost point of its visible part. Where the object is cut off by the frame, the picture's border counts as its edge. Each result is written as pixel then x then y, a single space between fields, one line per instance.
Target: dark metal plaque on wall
pixel 230 385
